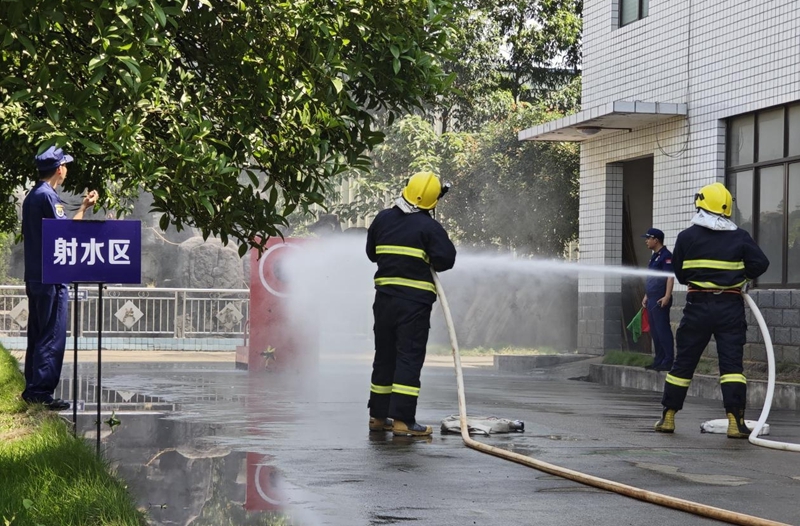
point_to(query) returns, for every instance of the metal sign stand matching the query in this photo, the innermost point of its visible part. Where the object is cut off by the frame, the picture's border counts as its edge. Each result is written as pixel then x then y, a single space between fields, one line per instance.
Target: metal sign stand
pixel 99 356
pixel 99 385
pixel 75 326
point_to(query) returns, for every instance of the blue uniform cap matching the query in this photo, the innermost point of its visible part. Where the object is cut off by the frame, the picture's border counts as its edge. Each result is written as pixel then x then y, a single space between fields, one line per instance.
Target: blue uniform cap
pixel 656 233
pixel 52 158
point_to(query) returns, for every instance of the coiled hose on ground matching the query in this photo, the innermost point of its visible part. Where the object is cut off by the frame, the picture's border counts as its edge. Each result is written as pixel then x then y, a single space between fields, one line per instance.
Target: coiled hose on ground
pixel 688 506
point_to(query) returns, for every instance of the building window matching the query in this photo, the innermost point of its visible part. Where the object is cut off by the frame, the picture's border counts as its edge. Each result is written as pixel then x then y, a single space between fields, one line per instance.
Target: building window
pixel 763 174
pixel 632 10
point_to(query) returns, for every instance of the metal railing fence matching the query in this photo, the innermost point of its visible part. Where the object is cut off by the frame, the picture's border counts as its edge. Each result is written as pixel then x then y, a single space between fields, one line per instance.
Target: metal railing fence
pixel 142 312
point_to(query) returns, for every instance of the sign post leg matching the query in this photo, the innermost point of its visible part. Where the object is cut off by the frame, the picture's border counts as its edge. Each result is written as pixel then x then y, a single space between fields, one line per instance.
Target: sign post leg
pixel 99 358
pixel 75 325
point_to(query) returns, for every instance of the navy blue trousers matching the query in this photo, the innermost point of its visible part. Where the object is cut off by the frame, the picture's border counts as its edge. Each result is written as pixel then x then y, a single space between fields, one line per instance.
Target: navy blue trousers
pixel 661 332
pixel 401 337
pixel 47 339
pixel 707 314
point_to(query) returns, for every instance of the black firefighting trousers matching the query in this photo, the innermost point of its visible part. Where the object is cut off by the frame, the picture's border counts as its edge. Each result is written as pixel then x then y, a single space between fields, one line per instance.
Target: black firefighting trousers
pixel 707 314
pixel 401 335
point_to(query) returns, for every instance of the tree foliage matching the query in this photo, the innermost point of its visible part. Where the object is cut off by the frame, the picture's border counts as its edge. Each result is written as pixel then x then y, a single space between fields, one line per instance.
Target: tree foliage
pixel 515 64
pixel 530 48
pixel 232 114
pixel 506 193
pixel 511 194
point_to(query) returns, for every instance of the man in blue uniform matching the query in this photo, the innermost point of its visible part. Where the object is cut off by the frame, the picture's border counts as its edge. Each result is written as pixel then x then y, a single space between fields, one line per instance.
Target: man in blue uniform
pixel 658 301
pixel 47 303
pixel 715 259
pixel 405 242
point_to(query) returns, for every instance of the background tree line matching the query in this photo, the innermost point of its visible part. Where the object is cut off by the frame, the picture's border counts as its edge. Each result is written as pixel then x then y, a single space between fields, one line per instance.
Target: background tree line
pixel 515 64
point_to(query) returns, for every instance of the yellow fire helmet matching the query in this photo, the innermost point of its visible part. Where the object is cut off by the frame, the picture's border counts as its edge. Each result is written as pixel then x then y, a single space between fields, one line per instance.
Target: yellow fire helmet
pixel 714 198
pixel 423 190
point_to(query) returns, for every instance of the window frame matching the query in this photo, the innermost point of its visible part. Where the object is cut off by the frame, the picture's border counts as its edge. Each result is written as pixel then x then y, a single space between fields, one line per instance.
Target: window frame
pixel 756 166
pixel 639 11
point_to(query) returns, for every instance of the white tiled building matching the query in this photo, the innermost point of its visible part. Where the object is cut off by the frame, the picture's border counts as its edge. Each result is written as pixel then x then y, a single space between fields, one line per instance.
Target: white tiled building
pixel 678 94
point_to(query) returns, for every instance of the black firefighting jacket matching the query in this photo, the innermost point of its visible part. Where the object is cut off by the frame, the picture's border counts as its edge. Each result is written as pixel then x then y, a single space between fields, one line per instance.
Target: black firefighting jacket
pixel 716 259
pixel 405 247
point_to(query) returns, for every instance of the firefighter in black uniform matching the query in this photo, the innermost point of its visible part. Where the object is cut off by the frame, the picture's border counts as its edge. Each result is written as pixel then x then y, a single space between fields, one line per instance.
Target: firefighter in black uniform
pixel 405 242
pixel 715 259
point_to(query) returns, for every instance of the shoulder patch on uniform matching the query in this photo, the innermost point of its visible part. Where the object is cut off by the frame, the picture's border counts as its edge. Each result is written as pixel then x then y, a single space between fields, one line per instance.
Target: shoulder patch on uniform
pixel 59 210
pixel 668 260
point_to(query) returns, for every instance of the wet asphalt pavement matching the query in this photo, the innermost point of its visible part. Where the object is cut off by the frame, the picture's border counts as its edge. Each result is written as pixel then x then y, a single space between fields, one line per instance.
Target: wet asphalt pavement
pixel 241 445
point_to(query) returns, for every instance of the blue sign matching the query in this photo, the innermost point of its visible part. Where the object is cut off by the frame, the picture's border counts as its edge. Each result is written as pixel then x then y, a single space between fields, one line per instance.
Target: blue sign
pixel 91 251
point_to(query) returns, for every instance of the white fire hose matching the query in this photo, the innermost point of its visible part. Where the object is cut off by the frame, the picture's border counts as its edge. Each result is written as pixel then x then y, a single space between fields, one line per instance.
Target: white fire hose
pixel 754 439
pixel 609 485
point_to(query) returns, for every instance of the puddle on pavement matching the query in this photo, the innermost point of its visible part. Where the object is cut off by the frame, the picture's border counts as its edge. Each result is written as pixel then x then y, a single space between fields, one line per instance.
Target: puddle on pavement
pixel 179 469
pixel 179 475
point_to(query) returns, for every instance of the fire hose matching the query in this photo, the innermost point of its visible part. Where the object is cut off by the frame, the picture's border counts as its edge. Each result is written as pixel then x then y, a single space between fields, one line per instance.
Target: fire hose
pixel 754 439
pixel 583 478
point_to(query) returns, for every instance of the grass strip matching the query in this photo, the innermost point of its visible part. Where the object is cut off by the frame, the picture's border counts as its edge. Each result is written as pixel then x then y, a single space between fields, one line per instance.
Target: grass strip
pixel 48 476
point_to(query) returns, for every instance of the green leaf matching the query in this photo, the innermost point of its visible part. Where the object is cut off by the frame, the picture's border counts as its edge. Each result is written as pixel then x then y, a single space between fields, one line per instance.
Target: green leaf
pixel 133 66
pixel 208 206
pixel 91 147
pixel 337 84
pixel 396 66
pixel 163 222
pixel 162 18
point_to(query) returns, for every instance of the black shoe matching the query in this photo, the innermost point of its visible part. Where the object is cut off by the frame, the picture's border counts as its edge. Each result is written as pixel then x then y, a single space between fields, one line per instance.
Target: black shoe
pixel 57 404
pixel 650 367
pixel 662 368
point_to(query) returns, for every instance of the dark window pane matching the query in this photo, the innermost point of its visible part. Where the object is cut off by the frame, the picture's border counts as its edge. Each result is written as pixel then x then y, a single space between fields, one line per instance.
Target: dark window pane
pixel 741 141
pixel 793 268
pixel 770 222
pixel 794 130
pixel 629 11
pixel 770 135
pixel 645 8
pixel 741 186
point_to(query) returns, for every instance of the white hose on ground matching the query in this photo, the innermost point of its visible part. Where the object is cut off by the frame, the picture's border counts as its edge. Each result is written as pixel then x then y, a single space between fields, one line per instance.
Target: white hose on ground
pixel 609 485
pixel 754 438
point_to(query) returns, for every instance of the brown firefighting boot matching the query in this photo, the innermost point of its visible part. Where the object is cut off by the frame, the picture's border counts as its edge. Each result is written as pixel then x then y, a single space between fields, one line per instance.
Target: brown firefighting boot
pixel 401 429
pixel 736 425
pixel 667 422
pixel 380 424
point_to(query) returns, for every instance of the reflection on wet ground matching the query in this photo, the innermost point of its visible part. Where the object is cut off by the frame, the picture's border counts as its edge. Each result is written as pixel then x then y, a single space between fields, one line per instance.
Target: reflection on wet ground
pixel 188 462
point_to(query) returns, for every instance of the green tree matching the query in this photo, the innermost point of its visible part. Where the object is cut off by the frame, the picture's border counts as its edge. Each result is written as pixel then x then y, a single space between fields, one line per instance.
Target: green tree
pixel 232 114
pixel 530 48
pixel 506 193
pixel 542 43
pixel 511 194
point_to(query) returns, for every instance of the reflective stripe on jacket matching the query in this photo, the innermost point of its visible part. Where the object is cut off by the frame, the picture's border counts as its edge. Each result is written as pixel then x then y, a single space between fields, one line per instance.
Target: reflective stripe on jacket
pixel 405 247
pixel 717 259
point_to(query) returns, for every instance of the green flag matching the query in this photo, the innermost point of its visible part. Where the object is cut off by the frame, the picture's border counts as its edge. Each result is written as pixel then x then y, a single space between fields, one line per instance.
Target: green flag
pixel 635 326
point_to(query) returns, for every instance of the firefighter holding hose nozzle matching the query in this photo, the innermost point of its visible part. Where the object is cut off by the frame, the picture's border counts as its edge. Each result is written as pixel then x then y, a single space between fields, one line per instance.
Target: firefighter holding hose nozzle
pixel 405 242
pixel 715 259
